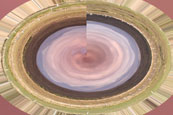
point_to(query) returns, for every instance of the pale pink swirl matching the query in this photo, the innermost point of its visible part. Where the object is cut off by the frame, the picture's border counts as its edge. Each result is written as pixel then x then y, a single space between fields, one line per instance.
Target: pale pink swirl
pixel 89 58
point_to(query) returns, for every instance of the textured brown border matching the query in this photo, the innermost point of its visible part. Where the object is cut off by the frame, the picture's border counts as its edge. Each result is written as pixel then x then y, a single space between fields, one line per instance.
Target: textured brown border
pixel 35 41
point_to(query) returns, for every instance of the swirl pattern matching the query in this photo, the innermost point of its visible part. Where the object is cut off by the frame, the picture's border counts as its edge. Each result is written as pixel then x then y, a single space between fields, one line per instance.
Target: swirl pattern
pixel 95 57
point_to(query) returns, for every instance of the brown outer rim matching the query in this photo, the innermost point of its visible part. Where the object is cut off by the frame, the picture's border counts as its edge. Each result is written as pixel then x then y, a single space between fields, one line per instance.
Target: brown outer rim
pixel 36 40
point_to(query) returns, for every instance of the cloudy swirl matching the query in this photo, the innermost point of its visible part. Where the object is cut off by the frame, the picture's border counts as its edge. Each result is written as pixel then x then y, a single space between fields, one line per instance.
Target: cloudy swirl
pixel 89 58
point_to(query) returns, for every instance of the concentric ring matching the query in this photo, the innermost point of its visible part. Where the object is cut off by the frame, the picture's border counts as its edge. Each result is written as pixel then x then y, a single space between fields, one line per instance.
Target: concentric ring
pixel 149 52
pixel 112 89
pixel 111 57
